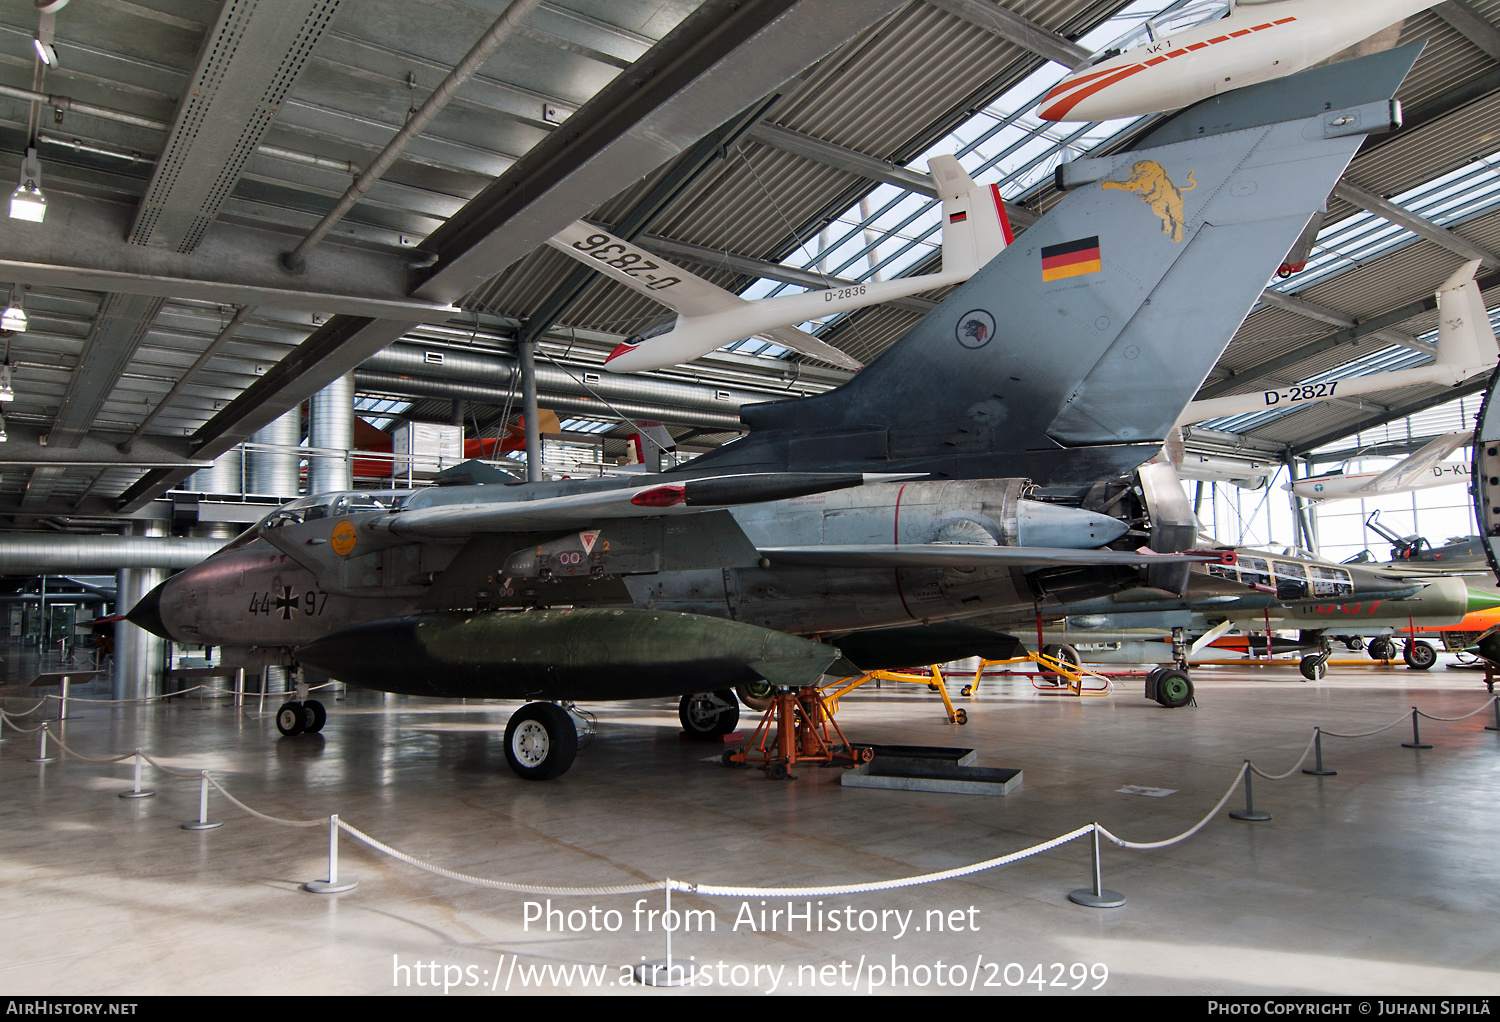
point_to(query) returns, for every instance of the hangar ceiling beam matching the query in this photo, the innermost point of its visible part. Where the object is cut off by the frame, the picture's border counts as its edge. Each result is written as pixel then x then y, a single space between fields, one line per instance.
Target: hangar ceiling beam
pixel 95 450
pixel 1470 24
pixel 468 66
pixel 721 58
pixel 1420 226
pixel 1451 394
pixel 840 158
pixel 248 62
pixel 1323 314
pixel 1364 328
pixel 1014 28
pixel 83 246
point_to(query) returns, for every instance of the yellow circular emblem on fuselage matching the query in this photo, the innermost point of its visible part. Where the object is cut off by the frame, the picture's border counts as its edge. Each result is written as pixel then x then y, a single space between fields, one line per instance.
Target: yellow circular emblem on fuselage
pixel 344 535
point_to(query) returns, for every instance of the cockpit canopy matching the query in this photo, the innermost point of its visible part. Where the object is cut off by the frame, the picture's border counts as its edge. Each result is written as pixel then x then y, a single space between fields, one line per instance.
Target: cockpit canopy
pixel 323 505
pixel 1163 25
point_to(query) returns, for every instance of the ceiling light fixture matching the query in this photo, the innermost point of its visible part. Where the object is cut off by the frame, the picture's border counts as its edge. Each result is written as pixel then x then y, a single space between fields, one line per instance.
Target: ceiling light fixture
pixel 7 392
pixel 27 202
pixel 2 429
pixel 43 40
pixel 14 320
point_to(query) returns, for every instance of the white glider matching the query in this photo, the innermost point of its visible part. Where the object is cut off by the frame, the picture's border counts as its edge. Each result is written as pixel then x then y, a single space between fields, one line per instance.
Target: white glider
pixel 975 230
pixel 1466 348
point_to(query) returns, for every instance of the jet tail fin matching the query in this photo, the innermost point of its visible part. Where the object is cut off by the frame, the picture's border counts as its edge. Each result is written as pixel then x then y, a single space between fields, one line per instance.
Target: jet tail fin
pixel 975 227
pixel 1068 357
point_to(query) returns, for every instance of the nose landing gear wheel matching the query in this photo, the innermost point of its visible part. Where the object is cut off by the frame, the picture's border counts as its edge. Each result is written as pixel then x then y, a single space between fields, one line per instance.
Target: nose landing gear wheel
pixel 291 720
pixel 1314 668
pixel 540 741
pixel 1173 688
pixel 706 716
pixel 314 716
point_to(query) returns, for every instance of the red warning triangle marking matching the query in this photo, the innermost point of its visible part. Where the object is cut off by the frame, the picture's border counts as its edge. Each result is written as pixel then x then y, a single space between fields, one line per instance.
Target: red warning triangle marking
pixel 588 539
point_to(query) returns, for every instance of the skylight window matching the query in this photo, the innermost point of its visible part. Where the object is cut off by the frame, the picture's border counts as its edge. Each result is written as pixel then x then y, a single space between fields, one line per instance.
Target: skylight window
pixel 380 412
pixel 586 426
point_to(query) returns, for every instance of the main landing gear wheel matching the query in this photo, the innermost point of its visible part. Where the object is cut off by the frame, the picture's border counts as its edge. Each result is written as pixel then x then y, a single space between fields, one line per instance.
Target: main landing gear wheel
pixel 314 716
pixel 1062 651
pixel 1173 688
pixel 707 716
pixel 1355 642
pixel 291 721
pixel 756 695
pixel 540 741
pixel 1382 648
pixel 1419 655
pixel 1314 667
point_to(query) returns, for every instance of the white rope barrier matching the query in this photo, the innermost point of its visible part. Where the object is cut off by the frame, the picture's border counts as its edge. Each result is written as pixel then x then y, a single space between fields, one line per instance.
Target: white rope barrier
pixel 89 759
pixel 1466 716
pixel 1148 845
pixel 1366 734
pixel 1303 759
pixel 411 860
pixel 11 721
pixel 257 813
pixel 715 890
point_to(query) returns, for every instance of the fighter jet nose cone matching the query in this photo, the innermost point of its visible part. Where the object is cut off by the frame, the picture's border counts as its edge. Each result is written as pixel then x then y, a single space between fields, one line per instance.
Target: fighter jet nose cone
pixel 147 613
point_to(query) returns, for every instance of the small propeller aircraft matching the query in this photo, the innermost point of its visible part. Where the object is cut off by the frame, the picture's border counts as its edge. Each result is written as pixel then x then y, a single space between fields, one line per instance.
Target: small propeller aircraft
pixel 1205 49
pixel 975 230
pixel 1421 470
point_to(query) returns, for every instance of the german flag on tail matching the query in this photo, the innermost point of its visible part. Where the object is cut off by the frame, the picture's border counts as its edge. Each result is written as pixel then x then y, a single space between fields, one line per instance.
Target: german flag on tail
pixel 1071 259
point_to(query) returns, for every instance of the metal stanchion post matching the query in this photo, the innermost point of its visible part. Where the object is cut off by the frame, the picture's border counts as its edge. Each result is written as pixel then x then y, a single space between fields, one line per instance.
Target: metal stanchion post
pixel 137 791
pixel 1097 896
pixel 239 687
pixel 1249 813
pixel 662 973
pixel 1416 736
pixel 62 699
pixel 203 822
pixel 333 885
pixel 1496 725
pixel 1318 771
pixel 41 756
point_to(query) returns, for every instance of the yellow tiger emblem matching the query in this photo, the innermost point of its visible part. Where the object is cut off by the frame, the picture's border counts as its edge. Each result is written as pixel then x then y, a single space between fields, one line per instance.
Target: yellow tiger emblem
pixel 1149 180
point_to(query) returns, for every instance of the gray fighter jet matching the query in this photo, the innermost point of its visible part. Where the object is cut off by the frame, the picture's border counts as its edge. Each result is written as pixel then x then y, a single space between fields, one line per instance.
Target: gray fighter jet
pixel 988 462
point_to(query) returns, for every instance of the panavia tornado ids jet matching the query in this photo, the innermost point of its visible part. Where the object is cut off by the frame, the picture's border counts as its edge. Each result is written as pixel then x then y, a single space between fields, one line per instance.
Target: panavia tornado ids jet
pixel 981 465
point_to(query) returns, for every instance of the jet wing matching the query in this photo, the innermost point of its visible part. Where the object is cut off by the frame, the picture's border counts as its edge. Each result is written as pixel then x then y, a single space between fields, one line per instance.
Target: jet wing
pixel 580 510
pixel 955 555
pixel 1400 477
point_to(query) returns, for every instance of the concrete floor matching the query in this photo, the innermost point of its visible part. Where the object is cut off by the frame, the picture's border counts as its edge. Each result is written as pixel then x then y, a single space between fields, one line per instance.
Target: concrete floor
pixel 1378 881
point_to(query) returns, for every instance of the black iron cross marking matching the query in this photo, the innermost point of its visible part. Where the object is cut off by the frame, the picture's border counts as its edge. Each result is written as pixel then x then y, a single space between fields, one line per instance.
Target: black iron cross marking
pixel 286 603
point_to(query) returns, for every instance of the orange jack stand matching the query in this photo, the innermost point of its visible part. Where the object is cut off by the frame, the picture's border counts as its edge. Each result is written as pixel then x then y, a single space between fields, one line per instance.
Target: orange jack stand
pixel 805 731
